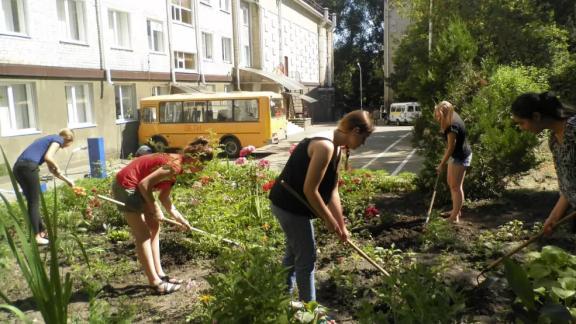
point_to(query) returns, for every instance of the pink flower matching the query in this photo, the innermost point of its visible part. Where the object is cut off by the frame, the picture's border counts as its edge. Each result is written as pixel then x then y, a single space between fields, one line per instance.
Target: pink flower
pixel 268 185
pixel 292 148
pixel 245 151
pixel 264 163
pixel 241 161
pixel 371 211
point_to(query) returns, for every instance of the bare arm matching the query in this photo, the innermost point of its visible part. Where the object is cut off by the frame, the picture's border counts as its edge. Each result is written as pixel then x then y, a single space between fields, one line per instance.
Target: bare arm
pixel 556 214
pixel 320 153
pixel 164 198
pixel 51 163
pixel 335 206
pixel 451 145
pixel 146 188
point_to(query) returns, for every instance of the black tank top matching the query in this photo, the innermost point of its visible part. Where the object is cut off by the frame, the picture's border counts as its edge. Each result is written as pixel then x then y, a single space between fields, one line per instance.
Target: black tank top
pixel 294 174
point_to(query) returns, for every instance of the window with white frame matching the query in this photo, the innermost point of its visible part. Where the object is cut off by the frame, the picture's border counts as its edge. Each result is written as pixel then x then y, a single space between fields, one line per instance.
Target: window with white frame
pixel 125 102
pixel 184 61
pixel 246 57
pixel 12 17
pixel 155 35
pixel 119 27
pixel 160 90
pixel 207 45
pixel 71 19
pixel 79 103
pixel 182 11
pixel 17 109
pixel 206 2
pixel 227 50
pixel 225 5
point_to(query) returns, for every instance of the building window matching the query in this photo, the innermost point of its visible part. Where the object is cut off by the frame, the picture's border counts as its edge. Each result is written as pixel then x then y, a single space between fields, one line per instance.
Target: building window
pixel 225 5
pixel 71 18
pixel 227 50
pixel 125 102
pixel 182 11
pixel 184 61
pixel 207 45
pixel 12 17
pixel 79 102
pixel 160 90
pixel 119 26
pixel 155 36
pixel 17 111
pixel 207 2
pixel 246 55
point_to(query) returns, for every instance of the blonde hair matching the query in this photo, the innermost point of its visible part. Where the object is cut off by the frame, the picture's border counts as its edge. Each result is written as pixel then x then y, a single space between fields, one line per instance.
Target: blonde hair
pixel 444 110
pixel 67 134
pixel 356 118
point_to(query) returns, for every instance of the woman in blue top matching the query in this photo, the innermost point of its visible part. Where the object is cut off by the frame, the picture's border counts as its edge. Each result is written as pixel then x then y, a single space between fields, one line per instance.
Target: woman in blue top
pixel 26 171
pixel 534 113
pixel 457 155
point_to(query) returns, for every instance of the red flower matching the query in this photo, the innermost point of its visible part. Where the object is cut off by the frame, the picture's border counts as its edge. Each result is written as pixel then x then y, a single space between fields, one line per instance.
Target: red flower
pixel 268 185
pixel 340 182
pixel 371 211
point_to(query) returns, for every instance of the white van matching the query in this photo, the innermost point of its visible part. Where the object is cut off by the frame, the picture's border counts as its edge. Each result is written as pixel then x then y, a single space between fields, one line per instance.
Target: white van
pixel 404 112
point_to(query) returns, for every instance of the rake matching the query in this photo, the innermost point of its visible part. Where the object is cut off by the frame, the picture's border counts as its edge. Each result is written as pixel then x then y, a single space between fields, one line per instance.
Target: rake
pixel 356 248
pixel 432 201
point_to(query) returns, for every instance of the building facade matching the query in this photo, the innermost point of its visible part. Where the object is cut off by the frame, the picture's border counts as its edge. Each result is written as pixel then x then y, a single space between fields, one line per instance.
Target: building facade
pixel 84 64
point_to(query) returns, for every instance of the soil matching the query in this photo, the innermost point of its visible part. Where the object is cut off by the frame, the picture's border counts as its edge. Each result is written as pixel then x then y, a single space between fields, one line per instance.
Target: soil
pixel 529 201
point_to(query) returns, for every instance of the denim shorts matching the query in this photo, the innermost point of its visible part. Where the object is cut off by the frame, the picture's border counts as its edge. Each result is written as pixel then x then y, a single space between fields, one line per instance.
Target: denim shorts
pixel 131 197
pixel 463 162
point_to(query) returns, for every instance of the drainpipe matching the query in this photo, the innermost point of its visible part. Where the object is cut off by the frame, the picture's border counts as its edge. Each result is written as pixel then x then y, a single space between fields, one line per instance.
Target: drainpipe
pixel 236 40
pixel 102 42
pixel 330 51
pixel 199 51
pixel 280 47
pixel 169 36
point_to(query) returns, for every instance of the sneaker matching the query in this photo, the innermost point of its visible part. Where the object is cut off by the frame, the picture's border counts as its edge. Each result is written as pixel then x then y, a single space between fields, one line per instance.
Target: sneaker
pixel 41 241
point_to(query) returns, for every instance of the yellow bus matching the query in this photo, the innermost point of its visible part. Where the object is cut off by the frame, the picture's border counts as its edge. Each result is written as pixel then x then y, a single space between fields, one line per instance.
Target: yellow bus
pixel 238 118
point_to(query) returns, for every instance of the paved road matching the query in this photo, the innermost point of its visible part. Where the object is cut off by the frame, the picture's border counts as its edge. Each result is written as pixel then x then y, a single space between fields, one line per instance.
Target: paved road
pixel 388 148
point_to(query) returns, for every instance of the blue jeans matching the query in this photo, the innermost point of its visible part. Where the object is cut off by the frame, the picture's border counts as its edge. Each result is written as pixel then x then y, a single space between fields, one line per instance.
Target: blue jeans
pixel 300 254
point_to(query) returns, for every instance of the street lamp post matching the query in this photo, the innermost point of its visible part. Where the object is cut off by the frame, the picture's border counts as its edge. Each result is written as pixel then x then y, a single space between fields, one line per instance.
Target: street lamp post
pixel 360 68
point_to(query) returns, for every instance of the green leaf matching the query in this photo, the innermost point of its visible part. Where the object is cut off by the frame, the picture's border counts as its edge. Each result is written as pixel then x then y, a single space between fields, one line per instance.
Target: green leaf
pixel 563 293
pixel 519 282
pixel 568 283
pixel 538 270
pixel 16 312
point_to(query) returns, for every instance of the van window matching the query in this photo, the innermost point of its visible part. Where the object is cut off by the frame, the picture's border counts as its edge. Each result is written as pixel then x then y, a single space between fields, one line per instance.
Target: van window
pixel 410 108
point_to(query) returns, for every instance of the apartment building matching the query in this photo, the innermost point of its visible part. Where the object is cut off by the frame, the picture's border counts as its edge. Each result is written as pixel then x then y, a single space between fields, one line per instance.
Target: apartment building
pixel 85 64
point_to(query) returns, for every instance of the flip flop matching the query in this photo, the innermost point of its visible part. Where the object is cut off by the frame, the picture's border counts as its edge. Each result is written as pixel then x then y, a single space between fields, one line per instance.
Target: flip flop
pixel 165 288
pixel 175 281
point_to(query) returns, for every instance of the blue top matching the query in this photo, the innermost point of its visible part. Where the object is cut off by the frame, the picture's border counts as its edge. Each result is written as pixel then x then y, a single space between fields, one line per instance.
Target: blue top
pixel 36 151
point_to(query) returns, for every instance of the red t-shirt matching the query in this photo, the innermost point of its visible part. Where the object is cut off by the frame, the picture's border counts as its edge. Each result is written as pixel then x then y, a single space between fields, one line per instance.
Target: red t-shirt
pixel 131 175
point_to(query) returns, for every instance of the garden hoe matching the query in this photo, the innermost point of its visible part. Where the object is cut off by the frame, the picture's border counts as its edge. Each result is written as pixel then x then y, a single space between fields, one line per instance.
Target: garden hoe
pixel 523 245
pixel 173 222
pixel 356 248
pixel 432 201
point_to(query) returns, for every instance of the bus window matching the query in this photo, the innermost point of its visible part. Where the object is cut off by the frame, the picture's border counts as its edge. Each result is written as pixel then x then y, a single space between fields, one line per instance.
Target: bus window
pixel 221 110
pixel 195 112
pixel 276 108
pixel 148 115
pixel 246 110
pixel 171 112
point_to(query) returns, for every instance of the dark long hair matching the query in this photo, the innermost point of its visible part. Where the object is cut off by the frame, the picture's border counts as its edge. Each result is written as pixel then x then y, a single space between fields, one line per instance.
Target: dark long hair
pixel 544 103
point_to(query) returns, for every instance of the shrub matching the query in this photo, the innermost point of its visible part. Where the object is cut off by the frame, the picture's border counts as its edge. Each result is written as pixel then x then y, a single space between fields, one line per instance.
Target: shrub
pixel 250 288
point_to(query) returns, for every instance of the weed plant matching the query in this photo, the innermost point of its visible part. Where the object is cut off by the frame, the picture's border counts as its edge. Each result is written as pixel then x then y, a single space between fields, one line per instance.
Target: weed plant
pixel 439 233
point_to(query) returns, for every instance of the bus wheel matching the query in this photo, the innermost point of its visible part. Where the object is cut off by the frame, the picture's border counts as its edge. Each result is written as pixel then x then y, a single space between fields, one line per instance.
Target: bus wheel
pixel 231 146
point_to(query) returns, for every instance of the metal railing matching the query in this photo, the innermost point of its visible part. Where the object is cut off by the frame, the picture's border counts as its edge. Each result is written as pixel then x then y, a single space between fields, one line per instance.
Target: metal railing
pixel 315 5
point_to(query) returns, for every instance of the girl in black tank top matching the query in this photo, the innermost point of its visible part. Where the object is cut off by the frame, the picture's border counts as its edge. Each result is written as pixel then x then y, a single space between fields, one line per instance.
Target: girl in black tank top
pixel 312 171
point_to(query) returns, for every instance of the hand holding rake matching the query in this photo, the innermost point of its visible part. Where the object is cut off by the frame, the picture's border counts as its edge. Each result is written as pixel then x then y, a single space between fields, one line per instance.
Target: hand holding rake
pixel 356 248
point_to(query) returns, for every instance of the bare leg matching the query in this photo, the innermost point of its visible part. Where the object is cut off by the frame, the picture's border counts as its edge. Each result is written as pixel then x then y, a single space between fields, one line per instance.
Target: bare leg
pixel 142 240
pixel 154 228
pixel 456 174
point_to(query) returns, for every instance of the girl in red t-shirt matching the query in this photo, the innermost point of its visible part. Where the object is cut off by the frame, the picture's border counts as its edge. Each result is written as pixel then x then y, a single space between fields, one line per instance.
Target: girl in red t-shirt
pixel 134 185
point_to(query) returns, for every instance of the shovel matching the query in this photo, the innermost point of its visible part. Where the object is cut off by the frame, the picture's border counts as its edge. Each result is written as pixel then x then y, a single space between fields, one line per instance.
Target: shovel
pixel 525 244
pixel 356 248
pixel 173 222
pixel 432 201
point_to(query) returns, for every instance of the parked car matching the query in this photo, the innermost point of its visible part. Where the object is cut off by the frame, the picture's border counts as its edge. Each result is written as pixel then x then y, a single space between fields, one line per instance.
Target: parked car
pixel 404 112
